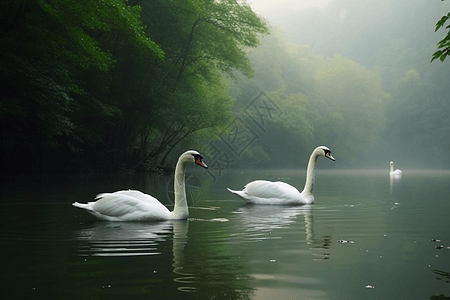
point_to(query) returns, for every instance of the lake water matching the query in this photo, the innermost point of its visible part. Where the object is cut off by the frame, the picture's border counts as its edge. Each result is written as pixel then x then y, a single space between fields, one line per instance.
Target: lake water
pixel 366 237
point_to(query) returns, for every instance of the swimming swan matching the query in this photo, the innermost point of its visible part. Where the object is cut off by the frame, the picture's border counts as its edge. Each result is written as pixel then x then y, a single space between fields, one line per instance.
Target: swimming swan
pixel 396 172
pixel 280 193
pixel 137 206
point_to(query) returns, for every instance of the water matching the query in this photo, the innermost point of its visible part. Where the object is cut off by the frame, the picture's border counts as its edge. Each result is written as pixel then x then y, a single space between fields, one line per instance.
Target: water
pixel 366 237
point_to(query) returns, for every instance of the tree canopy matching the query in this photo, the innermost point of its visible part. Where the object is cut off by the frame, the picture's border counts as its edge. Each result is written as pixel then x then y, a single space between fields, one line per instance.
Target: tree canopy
pixel 112 84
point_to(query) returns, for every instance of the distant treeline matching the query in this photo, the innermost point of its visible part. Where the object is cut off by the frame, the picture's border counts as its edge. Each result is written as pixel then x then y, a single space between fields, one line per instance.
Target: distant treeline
pixel 106 85
pixel 380 100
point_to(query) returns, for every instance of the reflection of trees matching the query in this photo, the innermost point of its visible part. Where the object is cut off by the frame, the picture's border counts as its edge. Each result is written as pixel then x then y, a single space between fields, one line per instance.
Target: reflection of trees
pixel 445 275
pixel 440 297
pixel 211 266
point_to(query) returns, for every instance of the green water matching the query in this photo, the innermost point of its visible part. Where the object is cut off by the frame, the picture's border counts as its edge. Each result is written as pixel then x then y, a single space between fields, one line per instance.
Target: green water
pixel 366 237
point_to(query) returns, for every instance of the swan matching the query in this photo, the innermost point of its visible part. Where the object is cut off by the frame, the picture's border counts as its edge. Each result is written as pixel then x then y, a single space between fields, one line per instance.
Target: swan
pixel 280 193
pixel 396 172
pixel 137 206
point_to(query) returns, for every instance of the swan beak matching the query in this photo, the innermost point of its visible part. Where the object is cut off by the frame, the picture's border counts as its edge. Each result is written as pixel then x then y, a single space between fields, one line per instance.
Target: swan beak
pixel 200 163
pixel 330 156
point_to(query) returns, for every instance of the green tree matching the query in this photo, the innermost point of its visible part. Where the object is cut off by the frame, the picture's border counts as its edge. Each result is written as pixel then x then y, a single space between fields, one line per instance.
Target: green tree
pixel 45 46
pixel 164 102
pixel 444 44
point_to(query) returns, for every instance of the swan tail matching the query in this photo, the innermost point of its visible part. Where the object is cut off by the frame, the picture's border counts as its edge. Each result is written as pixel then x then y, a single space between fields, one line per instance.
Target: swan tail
pixel 82 205
pixel 231 191
pixel 241 194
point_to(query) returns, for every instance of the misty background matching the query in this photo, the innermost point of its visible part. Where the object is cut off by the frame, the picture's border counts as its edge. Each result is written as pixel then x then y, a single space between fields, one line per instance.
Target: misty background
pixel 355 76
pixel 83 93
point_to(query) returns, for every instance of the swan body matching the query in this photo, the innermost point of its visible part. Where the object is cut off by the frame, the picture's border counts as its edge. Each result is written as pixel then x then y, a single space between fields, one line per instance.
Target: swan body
pixel 281 193
pixel 136 206
pixel 392 172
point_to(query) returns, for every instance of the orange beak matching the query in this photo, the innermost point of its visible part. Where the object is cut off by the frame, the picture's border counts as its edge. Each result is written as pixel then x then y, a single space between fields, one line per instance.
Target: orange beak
pixel 199 162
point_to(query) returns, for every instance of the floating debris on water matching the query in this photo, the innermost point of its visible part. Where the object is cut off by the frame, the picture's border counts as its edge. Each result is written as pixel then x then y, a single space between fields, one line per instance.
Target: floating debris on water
pixel 219 220
pixel 435 240
pixel 369 286
pixel 439 247
pixel 345 242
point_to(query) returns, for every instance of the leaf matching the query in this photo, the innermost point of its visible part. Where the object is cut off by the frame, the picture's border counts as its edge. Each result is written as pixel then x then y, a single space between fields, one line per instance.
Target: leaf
pixel 441 22
pixel 436 55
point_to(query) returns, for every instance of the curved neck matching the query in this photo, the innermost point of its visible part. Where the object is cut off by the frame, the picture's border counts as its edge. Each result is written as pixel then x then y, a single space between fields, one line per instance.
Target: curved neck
pixel 310 174
pixel 180 210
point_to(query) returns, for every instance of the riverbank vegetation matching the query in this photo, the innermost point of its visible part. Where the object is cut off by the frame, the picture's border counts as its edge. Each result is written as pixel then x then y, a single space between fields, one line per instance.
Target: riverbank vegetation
pixel 115 85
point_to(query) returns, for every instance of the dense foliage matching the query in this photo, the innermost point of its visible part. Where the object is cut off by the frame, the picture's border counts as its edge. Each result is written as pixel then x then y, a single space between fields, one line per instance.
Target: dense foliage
pixel 113 84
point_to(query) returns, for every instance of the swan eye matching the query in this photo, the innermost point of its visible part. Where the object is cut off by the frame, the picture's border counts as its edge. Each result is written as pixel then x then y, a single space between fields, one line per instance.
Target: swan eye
pixel 328 154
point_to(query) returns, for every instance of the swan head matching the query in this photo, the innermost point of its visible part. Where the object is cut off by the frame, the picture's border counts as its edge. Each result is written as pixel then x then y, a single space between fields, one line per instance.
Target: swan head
pixel 193 156
pixel 391 163
pixel 324 151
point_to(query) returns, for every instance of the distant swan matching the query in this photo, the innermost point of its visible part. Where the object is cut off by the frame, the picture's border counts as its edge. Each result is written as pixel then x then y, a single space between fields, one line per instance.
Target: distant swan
pixel 396 172
pixel 280 193
pixel 137 206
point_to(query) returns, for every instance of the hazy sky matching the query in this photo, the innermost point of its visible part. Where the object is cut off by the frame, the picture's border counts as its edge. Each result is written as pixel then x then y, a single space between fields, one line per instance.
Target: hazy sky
pixel 270 8
pixel 354 28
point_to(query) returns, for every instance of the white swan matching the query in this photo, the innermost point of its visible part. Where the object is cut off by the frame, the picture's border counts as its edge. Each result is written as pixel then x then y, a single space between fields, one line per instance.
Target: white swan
pixel 137 206
pixel 392 172
pixel 280 193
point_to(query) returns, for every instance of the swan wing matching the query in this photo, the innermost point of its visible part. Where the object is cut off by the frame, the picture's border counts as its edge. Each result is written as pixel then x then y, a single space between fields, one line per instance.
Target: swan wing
pixel 267 192
pixel 137 195
pixel 123 207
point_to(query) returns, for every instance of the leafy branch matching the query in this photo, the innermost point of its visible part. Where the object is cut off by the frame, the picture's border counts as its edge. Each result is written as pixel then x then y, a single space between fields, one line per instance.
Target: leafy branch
pixel 444 44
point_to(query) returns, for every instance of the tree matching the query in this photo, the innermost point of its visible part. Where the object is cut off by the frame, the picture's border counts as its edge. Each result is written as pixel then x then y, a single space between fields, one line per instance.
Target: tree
pixel 164 102
pixel 46 45
pixel 444 44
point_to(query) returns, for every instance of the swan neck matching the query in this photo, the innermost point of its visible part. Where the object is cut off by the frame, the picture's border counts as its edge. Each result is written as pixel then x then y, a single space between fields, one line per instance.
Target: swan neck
pixel 180 210
pixel 392 168
pixel 310 174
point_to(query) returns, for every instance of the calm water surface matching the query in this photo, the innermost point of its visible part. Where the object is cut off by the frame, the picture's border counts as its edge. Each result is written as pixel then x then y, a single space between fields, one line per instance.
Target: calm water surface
pixel 366 237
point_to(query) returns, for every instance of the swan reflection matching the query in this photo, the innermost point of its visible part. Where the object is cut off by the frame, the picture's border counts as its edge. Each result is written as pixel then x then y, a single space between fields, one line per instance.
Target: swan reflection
pixel 261 220
pixel 123 239
pixel 394 179
pixel 137 239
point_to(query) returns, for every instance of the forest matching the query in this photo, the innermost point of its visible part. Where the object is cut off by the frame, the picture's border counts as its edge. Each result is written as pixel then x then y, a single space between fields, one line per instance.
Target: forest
pixel 127 85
